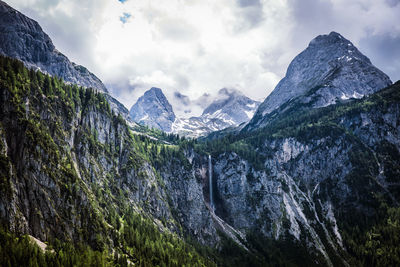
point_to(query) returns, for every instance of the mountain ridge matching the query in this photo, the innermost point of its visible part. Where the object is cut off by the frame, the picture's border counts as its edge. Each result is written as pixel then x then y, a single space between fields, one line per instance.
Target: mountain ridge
pixel 229 109
pixel 313 183
pixel 23 38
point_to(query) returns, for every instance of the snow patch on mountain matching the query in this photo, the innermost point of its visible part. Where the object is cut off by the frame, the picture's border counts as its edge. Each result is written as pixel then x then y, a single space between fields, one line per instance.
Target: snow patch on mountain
pixel 230 108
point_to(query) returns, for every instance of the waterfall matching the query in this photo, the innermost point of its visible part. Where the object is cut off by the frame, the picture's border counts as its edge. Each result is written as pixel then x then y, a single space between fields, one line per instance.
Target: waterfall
pixel 210 182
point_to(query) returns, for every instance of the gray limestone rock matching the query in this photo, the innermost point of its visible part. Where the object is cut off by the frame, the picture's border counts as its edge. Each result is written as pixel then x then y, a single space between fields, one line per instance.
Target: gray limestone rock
pixel 331 68
pixel 154 110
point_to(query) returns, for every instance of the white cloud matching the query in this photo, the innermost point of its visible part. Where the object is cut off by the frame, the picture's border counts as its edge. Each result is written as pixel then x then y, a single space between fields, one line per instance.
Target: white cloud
pixel 197 46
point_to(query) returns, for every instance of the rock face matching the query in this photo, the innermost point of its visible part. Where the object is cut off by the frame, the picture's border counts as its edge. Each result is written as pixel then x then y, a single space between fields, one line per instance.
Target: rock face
pixel 69 167
pixel 23 38
pixel 185 188
pixel 331 68
pixel 312 181
pixel 70 163
pixel 154 110
pixel 230 109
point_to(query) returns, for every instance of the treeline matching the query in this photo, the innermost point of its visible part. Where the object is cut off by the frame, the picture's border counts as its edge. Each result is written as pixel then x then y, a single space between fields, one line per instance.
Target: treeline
pixel 166 147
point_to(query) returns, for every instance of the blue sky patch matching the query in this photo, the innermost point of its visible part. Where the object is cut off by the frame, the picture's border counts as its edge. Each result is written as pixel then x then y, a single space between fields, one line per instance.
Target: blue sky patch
pixel 125 17
pixel 122 1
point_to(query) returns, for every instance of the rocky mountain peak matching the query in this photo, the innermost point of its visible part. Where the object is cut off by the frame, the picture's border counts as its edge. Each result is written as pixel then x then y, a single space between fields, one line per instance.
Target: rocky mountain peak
pixel 154 110
pixel 156 93
pixel 231 105
pixel 331 68
pixel 325 40
pixel 230 108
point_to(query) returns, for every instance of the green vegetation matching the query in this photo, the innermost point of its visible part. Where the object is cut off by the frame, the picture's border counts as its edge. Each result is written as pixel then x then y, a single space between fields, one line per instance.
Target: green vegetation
pixel 144 241
pixel 370 231
pixel 265 252
pixel 378 245
pixel 297 120
pixel 21 251
pixel 39 113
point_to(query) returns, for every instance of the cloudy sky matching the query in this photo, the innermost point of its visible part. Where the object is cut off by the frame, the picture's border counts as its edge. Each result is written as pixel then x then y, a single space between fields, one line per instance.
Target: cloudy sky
pixel 193 48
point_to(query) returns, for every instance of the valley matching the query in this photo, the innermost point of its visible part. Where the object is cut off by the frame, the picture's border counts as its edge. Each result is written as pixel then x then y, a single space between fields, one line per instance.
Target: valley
pixel 308 177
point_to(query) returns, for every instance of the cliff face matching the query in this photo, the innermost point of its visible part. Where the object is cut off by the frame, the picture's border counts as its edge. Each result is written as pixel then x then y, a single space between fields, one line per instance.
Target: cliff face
pixel 71 168
pixel 316 175
pixel 185 190
pixel 323 170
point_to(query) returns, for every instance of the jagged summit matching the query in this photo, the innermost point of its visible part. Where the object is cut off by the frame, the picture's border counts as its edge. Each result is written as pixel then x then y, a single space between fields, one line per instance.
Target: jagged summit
pixel 155 92
pixel 329 69
pixel 24 39
pixel 231 106
pixel 154 110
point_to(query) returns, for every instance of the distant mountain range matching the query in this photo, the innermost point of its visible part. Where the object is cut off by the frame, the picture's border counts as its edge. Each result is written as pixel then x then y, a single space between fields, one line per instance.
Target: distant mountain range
pixel 230 108
pixel 330 69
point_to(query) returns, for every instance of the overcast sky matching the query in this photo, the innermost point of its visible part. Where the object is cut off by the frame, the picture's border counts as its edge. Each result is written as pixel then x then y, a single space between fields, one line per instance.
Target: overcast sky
pixel 194 47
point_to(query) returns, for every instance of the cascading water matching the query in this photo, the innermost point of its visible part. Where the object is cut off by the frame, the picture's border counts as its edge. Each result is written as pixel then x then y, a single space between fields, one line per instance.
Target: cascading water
pixel 210 182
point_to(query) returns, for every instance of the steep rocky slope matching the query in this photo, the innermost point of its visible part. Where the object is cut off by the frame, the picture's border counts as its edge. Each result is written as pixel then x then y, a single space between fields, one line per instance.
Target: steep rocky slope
pixel 154 110
pixel 331 68
pixel 71 169
pixel 23 38
pixel 314 177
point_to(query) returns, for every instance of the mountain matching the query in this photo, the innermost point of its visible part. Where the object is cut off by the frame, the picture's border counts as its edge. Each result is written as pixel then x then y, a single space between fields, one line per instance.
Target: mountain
pixel 24 39
pixel 317 186
pixel 72 172
pixel 327 177
pixel 230 108
pixel 310 189
pixel 330 69
pixel 154 110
